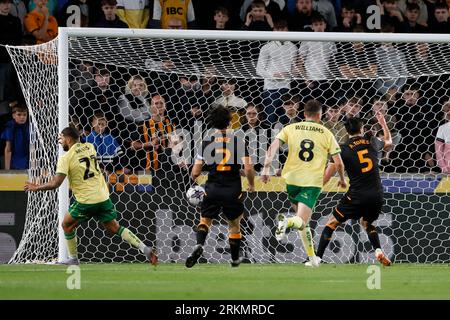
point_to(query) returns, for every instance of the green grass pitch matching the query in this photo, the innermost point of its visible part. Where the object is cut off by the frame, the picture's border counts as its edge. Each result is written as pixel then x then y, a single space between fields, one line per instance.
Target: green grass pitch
pixel 220 281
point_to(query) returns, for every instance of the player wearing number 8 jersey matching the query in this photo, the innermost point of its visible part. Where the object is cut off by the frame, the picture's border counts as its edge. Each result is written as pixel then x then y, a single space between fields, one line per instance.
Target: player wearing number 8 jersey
pixel 310 145
pixel 364 198
pixel 91 194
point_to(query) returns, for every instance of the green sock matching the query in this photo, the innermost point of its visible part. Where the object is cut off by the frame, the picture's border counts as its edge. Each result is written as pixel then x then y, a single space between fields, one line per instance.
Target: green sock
pixel 295 222
pixel 131 238
pixel 307 241
pixel 71 242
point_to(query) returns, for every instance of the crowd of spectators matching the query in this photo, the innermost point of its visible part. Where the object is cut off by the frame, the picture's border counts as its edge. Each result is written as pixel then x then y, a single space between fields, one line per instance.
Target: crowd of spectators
pixel 130 115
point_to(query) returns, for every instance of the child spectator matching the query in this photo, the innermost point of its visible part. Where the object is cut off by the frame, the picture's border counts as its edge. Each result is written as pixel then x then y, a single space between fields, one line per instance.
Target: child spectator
pixel 110 19
pixel 423 11
pixel 275 8
pixel 349 19
pixel 312 63
pixel 184 95
pixel 221 18
pixel 17 137
pixel 258 19
pixel 411 24
pixel 40 23
pixel 326 9
pixel 136 14
pixel 107 147
pixel 442 23
pixel 166 10
pixel 391 14
pixel 430 5
pixel 442 143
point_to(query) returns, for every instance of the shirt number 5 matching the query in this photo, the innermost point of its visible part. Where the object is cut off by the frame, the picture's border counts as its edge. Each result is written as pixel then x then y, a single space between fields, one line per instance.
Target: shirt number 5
pixel 363 160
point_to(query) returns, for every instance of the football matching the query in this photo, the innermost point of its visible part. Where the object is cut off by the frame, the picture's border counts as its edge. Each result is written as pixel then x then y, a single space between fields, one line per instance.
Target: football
pixel 195 195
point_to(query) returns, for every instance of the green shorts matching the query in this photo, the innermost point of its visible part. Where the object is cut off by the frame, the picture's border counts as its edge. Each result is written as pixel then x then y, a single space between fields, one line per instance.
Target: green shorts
pixel 102 211
pixel 306 195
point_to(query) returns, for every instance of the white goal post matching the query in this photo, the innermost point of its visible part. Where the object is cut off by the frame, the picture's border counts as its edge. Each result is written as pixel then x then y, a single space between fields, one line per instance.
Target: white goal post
pixel 418 202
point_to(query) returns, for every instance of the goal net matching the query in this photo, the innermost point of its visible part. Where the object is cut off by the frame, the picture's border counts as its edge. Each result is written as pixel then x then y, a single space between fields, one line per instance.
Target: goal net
pixel 142 97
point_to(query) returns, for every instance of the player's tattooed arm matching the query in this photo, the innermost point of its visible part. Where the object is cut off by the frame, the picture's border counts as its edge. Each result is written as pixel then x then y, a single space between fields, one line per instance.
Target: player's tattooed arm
pixel 51 185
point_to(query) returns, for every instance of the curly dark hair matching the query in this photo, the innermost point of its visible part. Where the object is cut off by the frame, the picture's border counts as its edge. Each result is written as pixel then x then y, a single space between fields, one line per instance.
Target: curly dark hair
pixel 353 125
pixel 71 132
pixel 219 117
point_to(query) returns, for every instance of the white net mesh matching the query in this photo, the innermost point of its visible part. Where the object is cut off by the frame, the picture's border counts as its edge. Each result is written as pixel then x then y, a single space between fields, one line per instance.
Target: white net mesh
pixel 120 84
pixel 40 87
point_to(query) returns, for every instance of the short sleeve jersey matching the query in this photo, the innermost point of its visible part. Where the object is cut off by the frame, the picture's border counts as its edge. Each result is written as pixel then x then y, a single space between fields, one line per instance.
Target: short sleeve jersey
pixel 309 145
pixel 86 180
pixel 360 159
pixel 222 156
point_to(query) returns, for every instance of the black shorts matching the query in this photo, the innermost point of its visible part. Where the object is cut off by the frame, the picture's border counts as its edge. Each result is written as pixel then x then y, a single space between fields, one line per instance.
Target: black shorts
pixel 368 208
pixel 226 199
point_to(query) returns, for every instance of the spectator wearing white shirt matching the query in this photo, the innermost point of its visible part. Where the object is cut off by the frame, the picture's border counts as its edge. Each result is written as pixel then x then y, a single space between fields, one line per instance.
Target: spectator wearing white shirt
pixel 230 100
pixel 391 66
pixel 275 62
pixel 315 55
pixel 313 59
pixel 442 142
